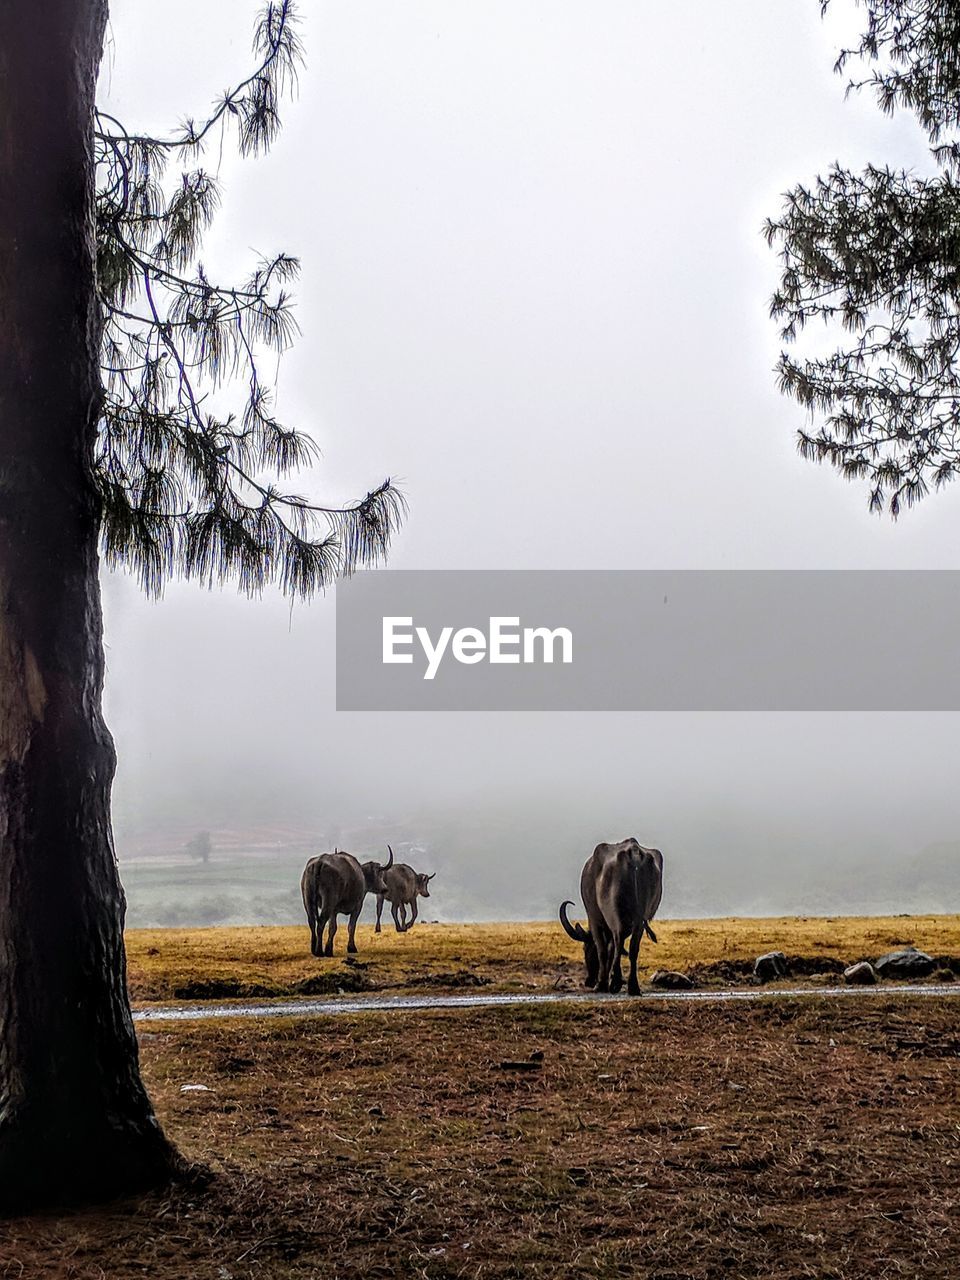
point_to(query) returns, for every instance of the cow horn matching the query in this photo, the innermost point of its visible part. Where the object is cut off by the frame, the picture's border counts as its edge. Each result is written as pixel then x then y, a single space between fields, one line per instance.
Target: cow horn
pixel 576 931
pixel 431 875
pixel 389 863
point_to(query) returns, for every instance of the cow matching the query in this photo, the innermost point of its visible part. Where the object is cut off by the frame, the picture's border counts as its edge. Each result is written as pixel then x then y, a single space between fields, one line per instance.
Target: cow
pixel 335 884
pixel 621 885
pixel 402 886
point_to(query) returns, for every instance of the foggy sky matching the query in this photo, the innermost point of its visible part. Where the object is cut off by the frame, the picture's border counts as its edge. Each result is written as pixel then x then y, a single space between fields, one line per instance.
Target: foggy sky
pixel 534 289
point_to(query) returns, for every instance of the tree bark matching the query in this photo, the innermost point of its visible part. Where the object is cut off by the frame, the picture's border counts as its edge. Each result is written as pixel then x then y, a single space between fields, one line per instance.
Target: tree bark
pixel 75 1120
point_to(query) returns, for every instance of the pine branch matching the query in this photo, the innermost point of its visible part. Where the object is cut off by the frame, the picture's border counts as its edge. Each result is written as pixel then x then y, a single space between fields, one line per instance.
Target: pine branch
pixel 187 472
pixel 875 258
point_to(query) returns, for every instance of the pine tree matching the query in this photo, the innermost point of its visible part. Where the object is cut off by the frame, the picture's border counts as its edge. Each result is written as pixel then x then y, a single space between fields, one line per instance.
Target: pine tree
pixel 122 431
pixel 875 257
pixel 200 846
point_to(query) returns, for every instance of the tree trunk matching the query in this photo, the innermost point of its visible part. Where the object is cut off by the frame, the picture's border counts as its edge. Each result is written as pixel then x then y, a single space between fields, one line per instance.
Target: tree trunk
pixel 75 1119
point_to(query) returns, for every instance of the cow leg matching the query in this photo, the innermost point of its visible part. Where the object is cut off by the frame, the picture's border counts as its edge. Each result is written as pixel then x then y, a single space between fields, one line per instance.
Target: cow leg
pixel 328 949
pixel 413 914
pixel 605 958
pixel 395 911
pixel 379 910
pixel 616 973
pixel 351 932
pixel 633 986
pixel 591 958
pixel 317 925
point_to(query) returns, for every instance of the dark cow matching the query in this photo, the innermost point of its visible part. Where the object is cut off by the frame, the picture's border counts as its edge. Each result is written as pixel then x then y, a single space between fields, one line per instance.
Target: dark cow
pixel 335 884
pixel 621 885
pixel 402 886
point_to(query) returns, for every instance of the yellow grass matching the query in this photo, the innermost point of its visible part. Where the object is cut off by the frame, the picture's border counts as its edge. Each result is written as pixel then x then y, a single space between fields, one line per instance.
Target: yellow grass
pixel 180 963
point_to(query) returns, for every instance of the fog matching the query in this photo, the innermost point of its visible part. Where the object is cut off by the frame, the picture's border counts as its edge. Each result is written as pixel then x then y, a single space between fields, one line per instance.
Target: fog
pixel 534 288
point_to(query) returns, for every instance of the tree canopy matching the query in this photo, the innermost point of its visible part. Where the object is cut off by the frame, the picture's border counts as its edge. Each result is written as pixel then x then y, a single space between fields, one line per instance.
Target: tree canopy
pixel 200 846
pixel 191 473
pixel 875 257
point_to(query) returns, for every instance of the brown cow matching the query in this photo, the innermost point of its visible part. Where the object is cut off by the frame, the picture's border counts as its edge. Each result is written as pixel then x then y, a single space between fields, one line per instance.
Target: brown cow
pixel 621 885
pixel 335 884
pixel 402 886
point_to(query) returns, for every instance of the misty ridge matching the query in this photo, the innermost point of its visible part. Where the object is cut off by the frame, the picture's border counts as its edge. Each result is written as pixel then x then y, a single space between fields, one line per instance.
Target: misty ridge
pixel 506 861
pixel 756 813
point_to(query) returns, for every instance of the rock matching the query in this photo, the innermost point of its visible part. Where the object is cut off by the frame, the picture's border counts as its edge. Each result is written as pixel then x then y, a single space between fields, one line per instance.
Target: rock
pixel 906 963
pixel 861 974
pixel 670 980
pixel 770 966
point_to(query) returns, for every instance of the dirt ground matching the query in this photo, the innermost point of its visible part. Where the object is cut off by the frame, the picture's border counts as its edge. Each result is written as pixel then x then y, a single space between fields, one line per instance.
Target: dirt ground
pixel 185 964
pixel 791 1138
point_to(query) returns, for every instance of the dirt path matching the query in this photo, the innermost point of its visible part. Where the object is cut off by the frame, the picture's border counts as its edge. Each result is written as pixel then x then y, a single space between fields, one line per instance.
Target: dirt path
pixel 319 1007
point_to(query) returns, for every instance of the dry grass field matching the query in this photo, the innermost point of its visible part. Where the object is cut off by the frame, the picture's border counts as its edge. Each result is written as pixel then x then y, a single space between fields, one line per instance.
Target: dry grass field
pixel 793 1139
pixel 180 964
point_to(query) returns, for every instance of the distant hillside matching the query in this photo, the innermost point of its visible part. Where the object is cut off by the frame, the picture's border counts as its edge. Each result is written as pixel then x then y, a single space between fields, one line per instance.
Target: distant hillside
pixel 508 863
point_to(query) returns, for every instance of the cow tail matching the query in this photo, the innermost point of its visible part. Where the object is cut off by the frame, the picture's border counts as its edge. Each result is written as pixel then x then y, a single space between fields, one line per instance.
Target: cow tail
pixel 310 898
pixel 645 927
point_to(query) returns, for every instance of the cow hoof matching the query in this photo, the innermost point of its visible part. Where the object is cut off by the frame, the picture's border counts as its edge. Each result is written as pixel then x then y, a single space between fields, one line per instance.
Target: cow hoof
pixel 377 929
pixel 351 951
pixel 328 951
pixel 633 989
